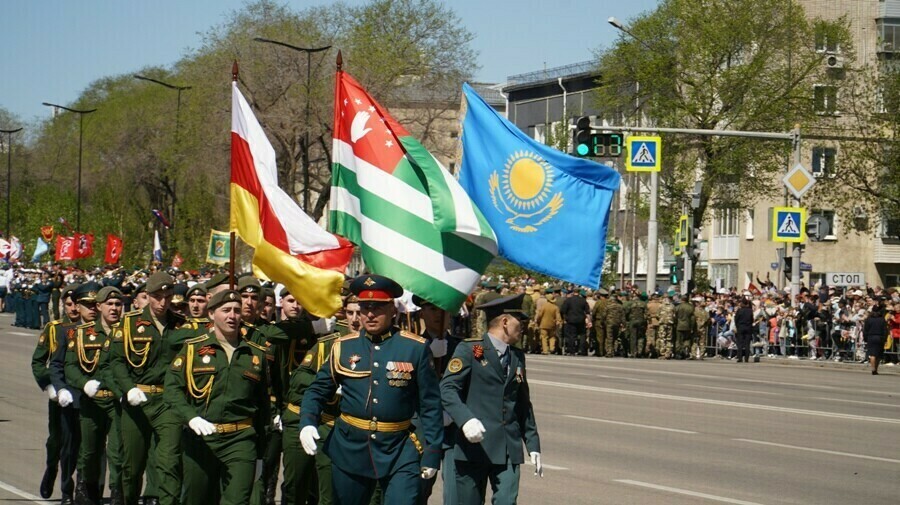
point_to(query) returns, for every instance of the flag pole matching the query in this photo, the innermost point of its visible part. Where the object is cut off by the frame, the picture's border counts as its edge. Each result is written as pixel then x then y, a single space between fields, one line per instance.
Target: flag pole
pixel 231 238
pixel 339 60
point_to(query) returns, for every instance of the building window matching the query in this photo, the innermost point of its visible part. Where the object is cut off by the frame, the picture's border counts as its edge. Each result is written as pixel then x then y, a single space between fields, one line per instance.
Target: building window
pixel 830 223
pixel 726 223
pixel 749 225
pixel 826 42
pixel 892 280
pixel 540 132
pixel 825 99
pixel 891 228
pixel 823 161
pixel 889 34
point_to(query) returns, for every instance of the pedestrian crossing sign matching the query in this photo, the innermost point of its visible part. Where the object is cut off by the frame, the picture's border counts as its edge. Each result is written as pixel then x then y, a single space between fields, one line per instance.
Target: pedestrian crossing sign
pixel 788 224
pixel 644 154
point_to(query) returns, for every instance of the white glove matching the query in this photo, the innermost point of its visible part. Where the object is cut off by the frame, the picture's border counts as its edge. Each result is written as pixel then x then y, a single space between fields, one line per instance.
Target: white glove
pixel 65 398
pixel 447 419
pixel 91 387
pixel 428 473
pixel 308 437
pixel 473 430
pixel 201 426
pixel 536 461
pixel 259 469
pixel 339 390
pixel 276 423
pixel 136 397
pixel 51 392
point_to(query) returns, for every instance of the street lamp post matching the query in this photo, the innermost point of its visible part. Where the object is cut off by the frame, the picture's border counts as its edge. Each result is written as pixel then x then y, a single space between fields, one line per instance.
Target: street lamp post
pixel 8 174
pixel 81 114
pixel 308 51
pixel 174 182
pixel 652 226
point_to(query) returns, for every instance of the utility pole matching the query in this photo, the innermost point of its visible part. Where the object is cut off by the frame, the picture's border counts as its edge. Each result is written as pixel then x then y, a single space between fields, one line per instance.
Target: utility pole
pixel 8 174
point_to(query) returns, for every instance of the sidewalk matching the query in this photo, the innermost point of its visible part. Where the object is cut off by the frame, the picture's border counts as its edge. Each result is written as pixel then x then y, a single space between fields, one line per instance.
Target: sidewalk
pixel 883 369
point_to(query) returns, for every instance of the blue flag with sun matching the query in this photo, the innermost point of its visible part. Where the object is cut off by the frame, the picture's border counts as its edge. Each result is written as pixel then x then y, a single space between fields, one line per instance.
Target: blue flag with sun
pixel 548 210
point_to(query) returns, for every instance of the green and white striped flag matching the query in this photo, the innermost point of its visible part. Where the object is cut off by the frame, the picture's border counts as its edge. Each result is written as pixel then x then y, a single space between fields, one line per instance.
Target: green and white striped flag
pixel 387 194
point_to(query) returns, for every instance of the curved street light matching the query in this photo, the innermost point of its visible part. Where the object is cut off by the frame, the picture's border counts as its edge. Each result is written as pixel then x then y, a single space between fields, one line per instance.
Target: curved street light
pixel 8 173
pixel 81 114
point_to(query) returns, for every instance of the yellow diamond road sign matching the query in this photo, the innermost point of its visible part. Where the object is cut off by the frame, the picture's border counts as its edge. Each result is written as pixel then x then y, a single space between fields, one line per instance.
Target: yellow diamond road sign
pixel 798 181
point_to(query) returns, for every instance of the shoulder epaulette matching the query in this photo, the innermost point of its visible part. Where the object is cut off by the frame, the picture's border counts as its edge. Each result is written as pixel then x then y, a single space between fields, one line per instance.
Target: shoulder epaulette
pixel 57 322
pixel 199 320
pixel 133 313
pixel 84 326
pixel 249 325
pixel 473 339
pixel 257 346
pixel 343 323
pixel 195 340
pixel 412 336
pixel 349 336
pixel 329 337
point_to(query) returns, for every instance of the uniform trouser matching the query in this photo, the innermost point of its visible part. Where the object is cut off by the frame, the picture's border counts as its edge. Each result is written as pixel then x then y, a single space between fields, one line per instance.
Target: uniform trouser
pixel 54 436
pixel 68 455
pixel 99 435
pixel 268 481
pixel 43 313
pixel 219 468
pixel 142 426
pixel 574 337
pixel 637 334
pixel 299 467
pixel 683 341
pixel 548 341
pixel 698 347
pixel 54 304
pixel 600 335
pixel 743 345
pixel 664 340
pixel 31 314
pixel 650 345
pixel 612 335
pixel 323 468
pixel 473 478
pixel 399 488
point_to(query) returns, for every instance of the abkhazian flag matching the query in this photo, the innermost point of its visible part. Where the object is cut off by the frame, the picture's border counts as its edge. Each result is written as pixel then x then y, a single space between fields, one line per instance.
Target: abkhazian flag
pixel 290 248
pixel 387 192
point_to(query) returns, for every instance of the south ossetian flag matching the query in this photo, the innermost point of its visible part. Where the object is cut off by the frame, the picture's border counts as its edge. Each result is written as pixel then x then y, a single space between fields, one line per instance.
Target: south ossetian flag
pixel 387 193
pixel 549 210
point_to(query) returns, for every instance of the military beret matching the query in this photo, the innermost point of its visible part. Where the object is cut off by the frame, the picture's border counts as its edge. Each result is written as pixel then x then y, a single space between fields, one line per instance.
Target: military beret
pixel 223 297
pixel 504 305
pixel 216 280
pixel 69 290
pixel 375 288
pixel 351 299
pixel 196 289
pixel 109 293
pixel 248 284
pixel 140 288
pixel 643 296
pixel 160 281
pixel 267 291
pixel 87 292
pixel 284 292
pixel 179 295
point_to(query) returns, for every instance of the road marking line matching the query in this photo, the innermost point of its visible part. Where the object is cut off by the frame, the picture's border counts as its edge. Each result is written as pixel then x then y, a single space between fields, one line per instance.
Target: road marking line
pixel 616 377
pixel 634 425
pixel 20 333
pixel 28 496
pixel 732 390
pixel 822 451
pixel 856 401
pixel 685 492
pixel 707 401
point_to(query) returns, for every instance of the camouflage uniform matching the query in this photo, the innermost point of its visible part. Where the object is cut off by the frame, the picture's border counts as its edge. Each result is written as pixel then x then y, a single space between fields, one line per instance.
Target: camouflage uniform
pixel 666 325
pixel 701 317
pixel 652 326
pixel 684 325
pixel 637 327
pixel 598 316
pixel 615 317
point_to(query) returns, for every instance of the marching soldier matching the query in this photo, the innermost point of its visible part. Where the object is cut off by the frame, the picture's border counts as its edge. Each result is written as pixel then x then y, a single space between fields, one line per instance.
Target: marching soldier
pixel 61 448
pixel 140 354
pixel 87 368
pixel 652 349
pixel 485 391
pixel 385 377
pixel 217 387
pixel 666 325
pixel 598 317
pixel 615 318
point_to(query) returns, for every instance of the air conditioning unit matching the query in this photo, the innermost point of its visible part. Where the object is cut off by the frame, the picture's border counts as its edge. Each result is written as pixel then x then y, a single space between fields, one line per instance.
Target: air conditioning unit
pixel 860 213
pixel 834 62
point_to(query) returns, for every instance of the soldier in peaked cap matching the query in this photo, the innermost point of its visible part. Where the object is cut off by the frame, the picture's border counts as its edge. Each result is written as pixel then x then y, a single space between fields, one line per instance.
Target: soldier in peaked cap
pixel 386 377
pixel 140 353
pixel 179 300
pixel 488 446
pixel 62 425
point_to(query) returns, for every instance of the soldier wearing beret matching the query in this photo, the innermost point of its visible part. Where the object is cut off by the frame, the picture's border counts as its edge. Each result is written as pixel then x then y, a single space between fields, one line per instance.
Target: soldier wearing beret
pixel 217 386
pixel 197 301
pixel 386 377
pixel 140 353
pixel 62 439
pixel 485 391
pixel 87 369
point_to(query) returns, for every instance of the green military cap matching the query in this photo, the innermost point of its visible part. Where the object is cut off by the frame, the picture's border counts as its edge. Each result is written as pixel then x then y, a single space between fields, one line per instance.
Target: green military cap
pixel 140 288
pixel 643 295
pixel 223 297
pixel 109 293
pixel 216 280
pixel 196 289
pixel 375 288
pixel 248 284
pixel 69 290
pixel 602 292
pixel 87 292
pixel 179 294
pixel 511 305
pixel 284 292
pixel 160 281
pixel 267 291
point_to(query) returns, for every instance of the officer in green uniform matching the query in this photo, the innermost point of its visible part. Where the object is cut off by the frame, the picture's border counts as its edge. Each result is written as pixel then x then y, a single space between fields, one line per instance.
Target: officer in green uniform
pixel 217 387
pixel 615 318
pixel 385 376
pixel 140 354
pixel 87 368
pixel 701 328
pixel 304 357
pixel 58 455
pixel 684 328
pixel 486 393
pixel 637 325
pixel 598 317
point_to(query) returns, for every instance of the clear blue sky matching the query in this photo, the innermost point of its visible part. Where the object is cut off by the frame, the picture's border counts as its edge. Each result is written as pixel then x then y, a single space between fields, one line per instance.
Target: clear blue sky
pixel 51 50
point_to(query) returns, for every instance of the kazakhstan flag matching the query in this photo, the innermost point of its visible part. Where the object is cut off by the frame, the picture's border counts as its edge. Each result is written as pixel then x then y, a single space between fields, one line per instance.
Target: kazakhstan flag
pixel 549 210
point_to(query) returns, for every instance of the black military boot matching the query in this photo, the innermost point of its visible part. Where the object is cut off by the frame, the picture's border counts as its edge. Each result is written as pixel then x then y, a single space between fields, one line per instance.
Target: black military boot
pixel 47 482
pixel 271 486
pixel 115 496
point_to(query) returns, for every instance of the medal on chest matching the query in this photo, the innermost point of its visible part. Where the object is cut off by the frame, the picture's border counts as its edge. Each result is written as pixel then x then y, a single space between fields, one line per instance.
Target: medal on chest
pixel 354 360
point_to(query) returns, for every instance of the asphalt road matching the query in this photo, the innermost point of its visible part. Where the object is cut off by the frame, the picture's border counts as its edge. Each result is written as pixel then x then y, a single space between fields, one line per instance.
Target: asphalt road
pixel 617 431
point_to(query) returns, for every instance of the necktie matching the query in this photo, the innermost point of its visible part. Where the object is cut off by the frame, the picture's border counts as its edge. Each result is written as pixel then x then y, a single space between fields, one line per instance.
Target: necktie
pixel 504 361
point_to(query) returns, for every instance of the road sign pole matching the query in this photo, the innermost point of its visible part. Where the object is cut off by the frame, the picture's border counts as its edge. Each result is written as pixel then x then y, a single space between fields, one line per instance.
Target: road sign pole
pixel 795 271
pixel 652 234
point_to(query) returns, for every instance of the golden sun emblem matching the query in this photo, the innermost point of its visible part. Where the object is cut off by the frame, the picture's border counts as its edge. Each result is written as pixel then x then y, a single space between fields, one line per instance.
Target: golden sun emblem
pixel 523 191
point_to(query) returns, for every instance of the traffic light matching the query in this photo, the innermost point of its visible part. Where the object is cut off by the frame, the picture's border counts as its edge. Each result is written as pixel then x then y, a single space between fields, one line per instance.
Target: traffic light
pixel 676 273
pixel 696 238
pixel 583 138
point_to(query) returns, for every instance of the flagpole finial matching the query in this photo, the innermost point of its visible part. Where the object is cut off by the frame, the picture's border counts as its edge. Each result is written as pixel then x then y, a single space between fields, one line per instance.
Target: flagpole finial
pixel 339 60
pixel 234 71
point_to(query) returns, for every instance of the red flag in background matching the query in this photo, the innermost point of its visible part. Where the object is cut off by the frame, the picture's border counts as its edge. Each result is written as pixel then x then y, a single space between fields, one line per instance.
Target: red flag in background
pixel 65 248
pixel 84 245
pixel 114 247
pixel 177 260
pixel 754 290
